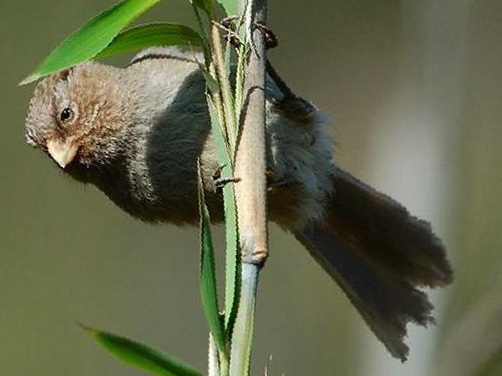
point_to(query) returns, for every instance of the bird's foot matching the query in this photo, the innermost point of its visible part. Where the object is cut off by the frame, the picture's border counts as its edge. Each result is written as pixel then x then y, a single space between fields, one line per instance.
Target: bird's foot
pixel 220 182
pixel 231 25
pixel 271 40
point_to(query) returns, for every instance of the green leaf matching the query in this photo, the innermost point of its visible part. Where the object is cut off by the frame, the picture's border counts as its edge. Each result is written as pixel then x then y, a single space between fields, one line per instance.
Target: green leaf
pixel 231 7
pixel 204 5
pixel 208 289
pixel 142 356
pixel 91 38
pixel 149 35
pixel 239 82
pixel 232 272
pixel 211 83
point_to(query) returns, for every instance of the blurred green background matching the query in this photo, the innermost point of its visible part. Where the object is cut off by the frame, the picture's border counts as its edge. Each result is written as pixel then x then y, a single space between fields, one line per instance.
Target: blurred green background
pixel 415 91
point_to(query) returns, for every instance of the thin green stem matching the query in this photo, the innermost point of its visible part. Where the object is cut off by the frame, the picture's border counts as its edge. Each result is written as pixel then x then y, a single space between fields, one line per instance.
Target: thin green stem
pixel 239 80
pixel 225 87
pixel 218 108
pixel 224 364
pixel 242 338
pixel 213 364
pixel 200 23
pixel 232 275
pixel 226 114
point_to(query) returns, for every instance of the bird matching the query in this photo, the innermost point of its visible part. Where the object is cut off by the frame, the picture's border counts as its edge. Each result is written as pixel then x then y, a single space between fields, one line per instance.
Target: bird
pixel 137 133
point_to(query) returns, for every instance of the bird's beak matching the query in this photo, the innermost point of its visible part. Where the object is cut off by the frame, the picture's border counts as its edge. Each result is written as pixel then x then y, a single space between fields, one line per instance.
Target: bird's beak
pixel 63 152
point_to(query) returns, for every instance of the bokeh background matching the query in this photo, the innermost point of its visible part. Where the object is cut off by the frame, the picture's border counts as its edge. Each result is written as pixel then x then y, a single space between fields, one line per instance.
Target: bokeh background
pixel 415 91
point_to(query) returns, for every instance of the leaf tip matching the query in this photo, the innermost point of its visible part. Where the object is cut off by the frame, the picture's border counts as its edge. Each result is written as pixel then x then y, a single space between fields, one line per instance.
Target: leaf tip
pixel 91 331
pixel 29 79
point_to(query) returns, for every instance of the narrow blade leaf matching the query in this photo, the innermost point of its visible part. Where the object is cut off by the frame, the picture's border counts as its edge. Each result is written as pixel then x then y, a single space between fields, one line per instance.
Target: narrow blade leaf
pixel 91 38
pixel 231 7
pixel 142 356
pixel 204 5
pixel 242 336
pixel 208 290
pixel 232 272
pixel 149 35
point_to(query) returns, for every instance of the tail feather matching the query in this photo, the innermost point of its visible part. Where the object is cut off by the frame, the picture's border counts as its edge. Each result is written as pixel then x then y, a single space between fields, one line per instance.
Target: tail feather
pixel 384 232
pixel 378 253
pixel 385 305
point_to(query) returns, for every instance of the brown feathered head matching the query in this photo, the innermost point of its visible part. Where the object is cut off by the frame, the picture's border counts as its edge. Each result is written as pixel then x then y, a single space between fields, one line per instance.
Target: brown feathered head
pixel 77 115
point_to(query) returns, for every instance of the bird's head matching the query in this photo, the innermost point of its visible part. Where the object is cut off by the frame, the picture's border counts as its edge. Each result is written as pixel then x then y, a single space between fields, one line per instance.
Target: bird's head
pixel 77 116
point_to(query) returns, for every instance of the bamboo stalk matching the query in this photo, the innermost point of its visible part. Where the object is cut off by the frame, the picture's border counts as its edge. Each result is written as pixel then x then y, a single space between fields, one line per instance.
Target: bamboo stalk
pixel 250 156
pixel 250 192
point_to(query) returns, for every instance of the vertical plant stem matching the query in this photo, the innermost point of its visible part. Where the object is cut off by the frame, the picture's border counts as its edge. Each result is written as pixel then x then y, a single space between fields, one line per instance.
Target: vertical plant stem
pixel 228 120
pixel 224 364
pixel 250 192
pixel 250 162
pixel 239 81
pixel 232 276
pixel 226 91
pixel 213 366
pixel 244 324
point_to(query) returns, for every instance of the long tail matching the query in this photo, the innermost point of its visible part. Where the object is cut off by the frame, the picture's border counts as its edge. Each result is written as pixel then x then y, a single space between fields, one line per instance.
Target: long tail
pixel 378 253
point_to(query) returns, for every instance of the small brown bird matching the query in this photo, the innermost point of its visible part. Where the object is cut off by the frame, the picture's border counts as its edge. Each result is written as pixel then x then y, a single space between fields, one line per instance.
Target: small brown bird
pixel 137 132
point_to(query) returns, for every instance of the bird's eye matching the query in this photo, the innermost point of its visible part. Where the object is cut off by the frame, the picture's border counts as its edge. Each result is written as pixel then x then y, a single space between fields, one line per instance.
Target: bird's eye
pixel 66 114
